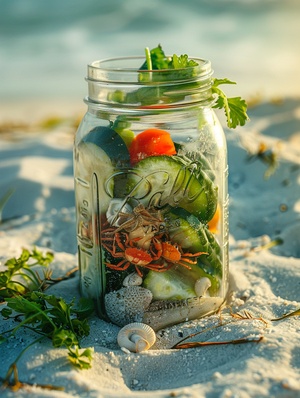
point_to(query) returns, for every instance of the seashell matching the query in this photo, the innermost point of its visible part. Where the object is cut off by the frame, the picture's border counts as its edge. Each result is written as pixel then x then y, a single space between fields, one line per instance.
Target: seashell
pixel 136 337
pixel 161 314
pixel 133 279
pixel 201 286
pixel 115 207
pixel 127 304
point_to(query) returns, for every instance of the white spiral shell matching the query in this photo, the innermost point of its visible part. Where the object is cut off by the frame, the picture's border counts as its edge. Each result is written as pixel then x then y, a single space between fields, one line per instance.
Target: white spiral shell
pixel 201 286
pixel 136 337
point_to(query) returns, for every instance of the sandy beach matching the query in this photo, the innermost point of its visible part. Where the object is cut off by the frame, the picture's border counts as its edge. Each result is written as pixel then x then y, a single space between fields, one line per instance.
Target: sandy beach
pixel 36 162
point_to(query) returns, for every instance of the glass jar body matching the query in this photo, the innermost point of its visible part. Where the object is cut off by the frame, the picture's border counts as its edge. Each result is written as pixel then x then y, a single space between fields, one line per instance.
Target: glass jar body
pixel 152 212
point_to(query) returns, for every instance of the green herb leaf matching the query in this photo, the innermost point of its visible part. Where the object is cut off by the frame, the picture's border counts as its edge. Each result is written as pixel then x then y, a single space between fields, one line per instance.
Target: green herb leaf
pixel 66 338
pixel 20 278
pixel 42 259
pixel 6 312
pixel 235 108
pixel 81 358
pixel 85 308
pixel 158 59
pixel 182 61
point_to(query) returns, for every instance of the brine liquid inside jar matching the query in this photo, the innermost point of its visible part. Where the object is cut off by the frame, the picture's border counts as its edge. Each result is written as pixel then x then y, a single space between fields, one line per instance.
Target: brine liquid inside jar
pixel 150 169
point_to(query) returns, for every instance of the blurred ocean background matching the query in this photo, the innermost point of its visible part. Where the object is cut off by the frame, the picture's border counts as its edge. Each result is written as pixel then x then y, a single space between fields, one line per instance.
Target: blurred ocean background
pixel 46 45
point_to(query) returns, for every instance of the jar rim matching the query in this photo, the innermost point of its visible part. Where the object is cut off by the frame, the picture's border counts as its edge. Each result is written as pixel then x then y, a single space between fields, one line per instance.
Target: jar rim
pixel 128 69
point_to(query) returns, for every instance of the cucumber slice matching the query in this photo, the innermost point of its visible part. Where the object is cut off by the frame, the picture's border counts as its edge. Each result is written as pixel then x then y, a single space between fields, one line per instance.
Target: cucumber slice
pixel 178 283
pixel 194 237
pixel 169 285
pixel 161 180
pixel 187 154
pixel 110 142
pixel 92 160
pixel 122 126
pixel 127 135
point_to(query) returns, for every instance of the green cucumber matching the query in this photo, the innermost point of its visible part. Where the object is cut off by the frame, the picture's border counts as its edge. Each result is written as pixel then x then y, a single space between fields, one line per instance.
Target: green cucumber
pixel 110 142
pixel 193 236
pixel 107 149
pixel 122 126
pixel 162 180
pixel 91 161
pixel 169 285
pixel 178 283
pixel 186 154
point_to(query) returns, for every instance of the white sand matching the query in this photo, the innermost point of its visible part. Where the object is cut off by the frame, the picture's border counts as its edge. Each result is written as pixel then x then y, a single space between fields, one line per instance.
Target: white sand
pixel 266 283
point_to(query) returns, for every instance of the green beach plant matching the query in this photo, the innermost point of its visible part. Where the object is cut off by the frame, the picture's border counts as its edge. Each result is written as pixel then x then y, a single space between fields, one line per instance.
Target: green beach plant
pixel 22 289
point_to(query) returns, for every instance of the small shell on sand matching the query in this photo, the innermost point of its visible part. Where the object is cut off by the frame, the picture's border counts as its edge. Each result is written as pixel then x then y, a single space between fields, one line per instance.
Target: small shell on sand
pixel 132 280
pixel 136 337
pixel 127 304
pixel 201 286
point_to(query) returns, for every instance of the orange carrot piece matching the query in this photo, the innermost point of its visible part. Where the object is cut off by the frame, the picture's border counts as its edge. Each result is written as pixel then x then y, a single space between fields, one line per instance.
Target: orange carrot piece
pixel 151 142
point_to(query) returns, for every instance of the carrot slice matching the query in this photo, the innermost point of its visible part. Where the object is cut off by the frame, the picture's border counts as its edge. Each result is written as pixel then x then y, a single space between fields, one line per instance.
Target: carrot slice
pixel 151 142
pixel 213 223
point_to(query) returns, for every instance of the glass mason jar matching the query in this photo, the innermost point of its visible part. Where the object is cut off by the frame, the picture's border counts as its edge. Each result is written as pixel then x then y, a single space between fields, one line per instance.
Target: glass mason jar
pixel 150 165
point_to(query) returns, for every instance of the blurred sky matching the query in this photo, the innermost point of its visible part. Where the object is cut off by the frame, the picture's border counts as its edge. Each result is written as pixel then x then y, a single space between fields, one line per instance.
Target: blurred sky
pixel 45 45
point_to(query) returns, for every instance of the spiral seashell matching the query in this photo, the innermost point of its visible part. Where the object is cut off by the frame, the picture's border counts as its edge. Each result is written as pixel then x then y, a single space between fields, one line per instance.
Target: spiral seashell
pixel 133 279
pixel 201 286
pixel 136 337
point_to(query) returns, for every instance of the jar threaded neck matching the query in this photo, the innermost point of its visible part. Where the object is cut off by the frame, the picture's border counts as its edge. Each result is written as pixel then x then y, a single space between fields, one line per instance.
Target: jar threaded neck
pixel 121 82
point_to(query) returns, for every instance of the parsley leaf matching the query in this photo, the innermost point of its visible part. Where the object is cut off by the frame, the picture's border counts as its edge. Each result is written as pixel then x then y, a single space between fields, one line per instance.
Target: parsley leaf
pixel 235 108
pixel 158 59
pixel 182 61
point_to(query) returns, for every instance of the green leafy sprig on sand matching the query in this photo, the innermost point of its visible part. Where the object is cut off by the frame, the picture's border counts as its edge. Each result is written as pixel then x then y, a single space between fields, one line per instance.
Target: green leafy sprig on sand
pixel 47 315
pixel 20 276
pixel 54 318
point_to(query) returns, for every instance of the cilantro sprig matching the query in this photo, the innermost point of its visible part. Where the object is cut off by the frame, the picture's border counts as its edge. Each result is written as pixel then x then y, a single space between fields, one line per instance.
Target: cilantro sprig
pixel 156 59
pixel 235 108
pixel 181 68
